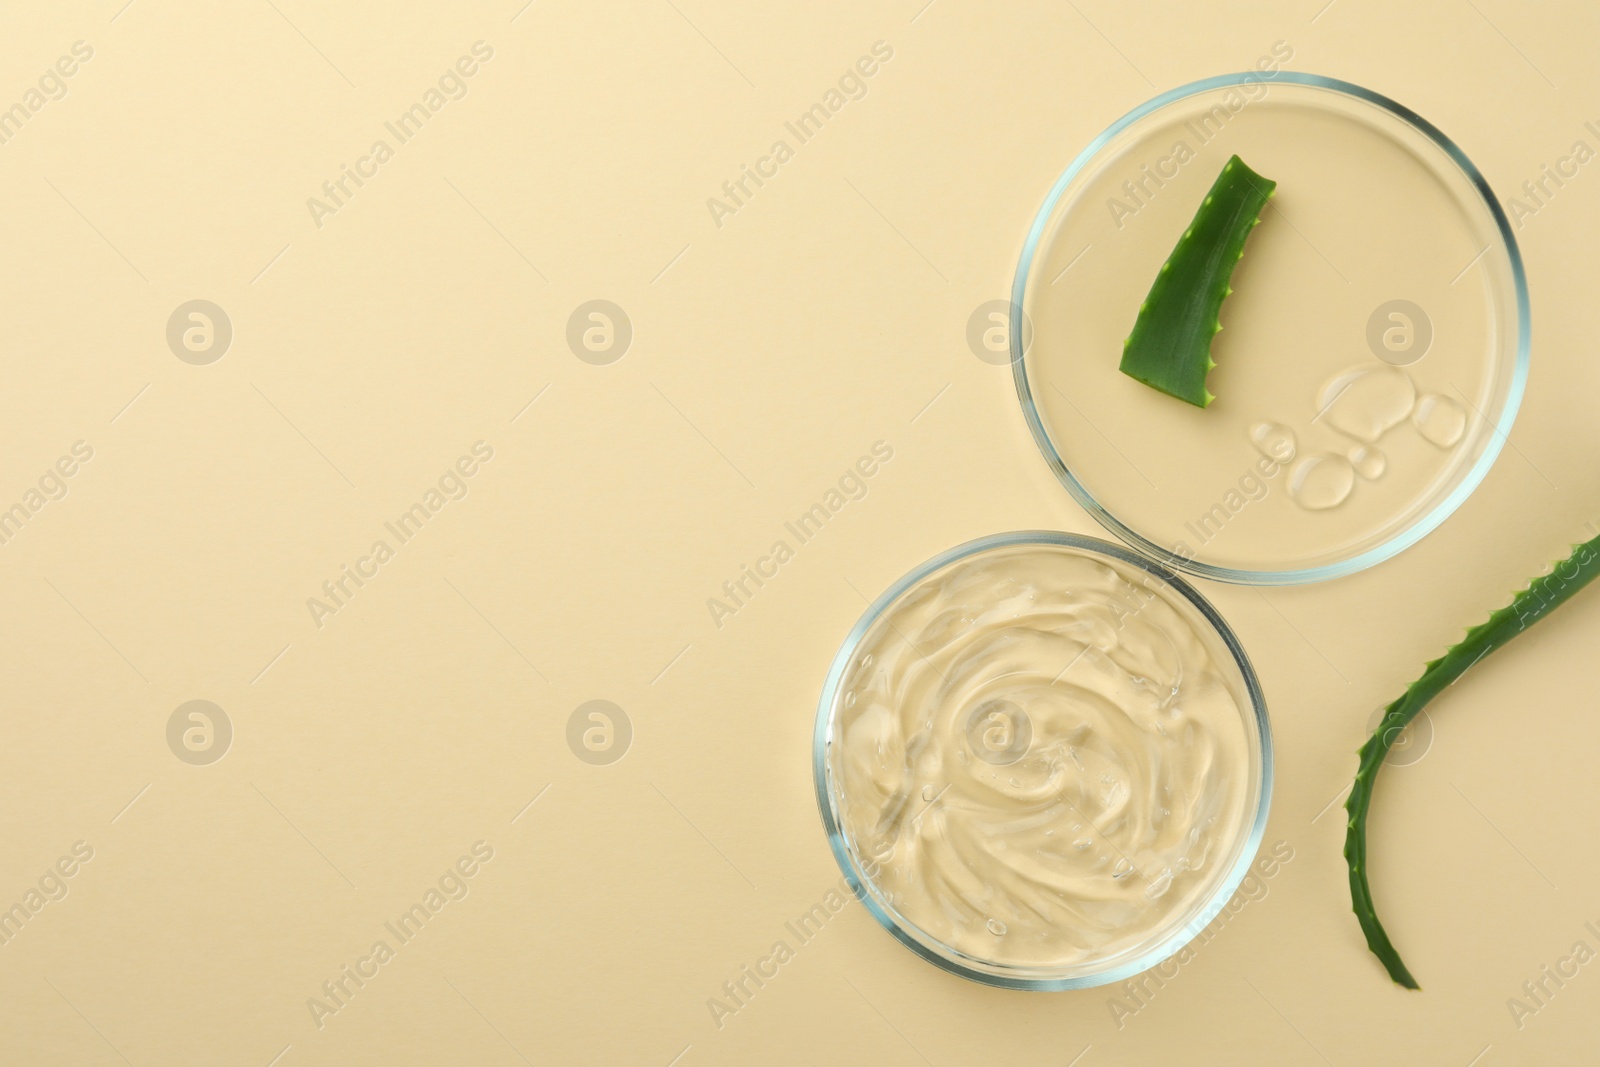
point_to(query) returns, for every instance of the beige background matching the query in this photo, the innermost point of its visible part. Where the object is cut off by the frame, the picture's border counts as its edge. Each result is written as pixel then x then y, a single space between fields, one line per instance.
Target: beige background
pixel 768 354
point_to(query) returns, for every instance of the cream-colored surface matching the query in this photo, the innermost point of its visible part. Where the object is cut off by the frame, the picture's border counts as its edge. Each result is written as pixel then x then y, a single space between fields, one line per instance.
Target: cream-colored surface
pixel 371 755
pixel 1043 760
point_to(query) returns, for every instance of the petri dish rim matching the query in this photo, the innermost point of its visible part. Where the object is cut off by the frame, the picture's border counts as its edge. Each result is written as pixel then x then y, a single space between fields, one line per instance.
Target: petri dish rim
pixel 1401 539
pixel 957 962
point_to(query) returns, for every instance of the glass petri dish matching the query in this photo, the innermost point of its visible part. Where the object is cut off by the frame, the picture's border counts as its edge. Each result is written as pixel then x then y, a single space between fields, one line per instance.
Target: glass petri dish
pixel 1374 350
pixel 1043 761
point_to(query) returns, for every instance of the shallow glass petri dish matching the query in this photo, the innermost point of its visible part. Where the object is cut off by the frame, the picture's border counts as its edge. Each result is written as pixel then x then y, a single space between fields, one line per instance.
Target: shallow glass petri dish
pixel 1043 761
pixel 1373 353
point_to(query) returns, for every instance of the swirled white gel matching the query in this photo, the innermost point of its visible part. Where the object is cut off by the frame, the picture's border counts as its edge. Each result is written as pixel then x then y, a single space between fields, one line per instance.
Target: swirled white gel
pixel 1042 756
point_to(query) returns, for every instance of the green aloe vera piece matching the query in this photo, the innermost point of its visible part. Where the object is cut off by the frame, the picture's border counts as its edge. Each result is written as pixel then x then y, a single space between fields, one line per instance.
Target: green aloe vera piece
pixel 1542 596
pixel 1170 346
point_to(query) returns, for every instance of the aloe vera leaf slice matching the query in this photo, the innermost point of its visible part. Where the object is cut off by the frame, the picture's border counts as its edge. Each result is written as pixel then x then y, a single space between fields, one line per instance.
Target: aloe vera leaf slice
pixel 1170 346
pixel 1542 596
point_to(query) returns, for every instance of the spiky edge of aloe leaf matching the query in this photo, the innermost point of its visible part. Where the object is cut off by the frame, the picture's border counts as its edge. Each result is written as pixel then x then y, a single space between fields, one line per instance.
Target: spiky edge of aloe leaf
pixel 1169 347
pixel 1542 596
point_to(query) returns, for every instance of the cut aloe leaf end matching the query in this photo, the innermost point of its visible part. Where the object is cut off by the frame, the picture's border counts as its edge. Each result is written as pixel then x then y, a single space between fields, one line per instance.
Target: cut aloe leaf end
pixel 1170 346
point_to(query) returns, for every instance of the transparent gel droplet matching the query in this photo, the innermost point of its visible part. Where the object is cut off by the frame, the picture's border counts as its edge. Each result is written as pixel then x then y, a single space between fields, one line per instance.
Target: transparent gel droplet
pixel 928 793
pixel 1273 440
pixel 849 700
pixel 1367 402
pixel 1159 884
pixel 1321 481
pixel 1439 419
pixel 996 927
pixel 1368 461
pixel 1122 869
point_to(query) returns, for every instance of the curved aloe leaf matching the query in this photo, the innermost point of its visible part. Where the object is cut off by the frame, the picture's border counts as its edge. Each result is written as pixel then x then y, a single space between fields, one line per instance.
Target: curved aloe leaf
pixel 1542 596
pixel 1170 346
